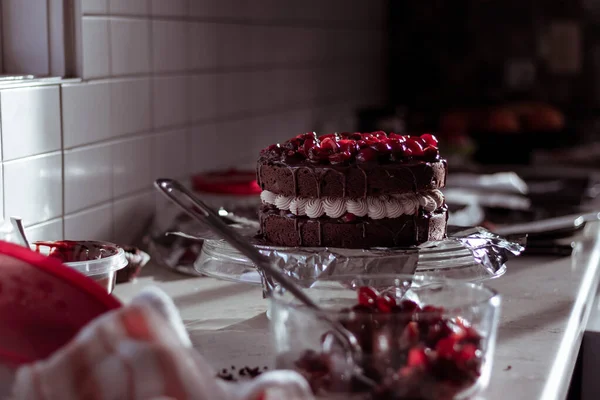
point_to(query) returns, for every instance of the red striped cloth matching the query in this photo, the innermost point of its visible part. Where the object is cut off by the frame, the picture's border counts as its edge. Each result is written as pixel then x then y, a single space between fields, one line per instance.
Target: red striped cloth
pixel 138 352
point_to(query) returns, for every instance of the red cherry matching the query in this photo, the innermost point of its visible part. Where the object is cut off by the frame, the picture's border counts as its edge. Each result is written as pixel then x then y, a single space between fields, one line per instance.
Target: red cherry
pixel 348 217
pixel 381 147
pixel 445 348
pixel 409 306
pixel 339 158
pixel 274 150
pixel 329 144
pixel 328 136
pixel 348 145
pixel 417 358
pixel 367 296
pixel 317 154
pixel 308 143
pixel 410 335
pixel 366 155
pixel 430 153
pixel 415 147
pixel 379 135
pixel 429 139
pixel 398 136
pixel 361 144
pixel 467 353
pixel 385 303
pixel 396 145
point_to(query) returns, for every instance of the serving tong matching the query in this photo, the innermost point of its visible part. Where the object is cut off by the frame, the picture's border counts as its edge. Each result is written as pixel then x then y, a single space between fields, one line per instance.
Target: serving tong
pixel 198 210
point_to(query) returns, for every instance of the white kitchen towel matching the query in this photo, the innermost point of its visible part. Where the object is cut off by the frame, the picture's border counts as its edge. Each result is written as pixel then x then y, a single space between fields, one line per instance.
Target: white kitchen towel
pixel 142 352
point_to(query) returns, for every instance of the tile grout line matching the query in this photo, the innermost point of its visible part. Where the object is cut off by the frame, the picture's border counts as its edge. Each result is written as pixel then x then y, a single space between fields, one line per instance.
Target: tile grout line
pixel 62 152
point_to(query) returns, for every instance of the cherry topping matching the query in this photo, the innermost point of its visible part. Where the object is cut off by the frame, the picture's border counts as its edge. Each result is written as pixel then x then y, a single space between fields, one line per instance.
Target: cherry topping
pixel 361 144
pixel 379 135
pixel 306 146
pixel 273 150
pixel 316 154
pixel 429 139
pixel 340 158
pixel 367 296
pixel 398 136
pixel 430 153
pixel 381 147
pixel 328 136
pixel 329 144
pixel 415 147
pixel 348 145
pixel 367 154
pixel 348 217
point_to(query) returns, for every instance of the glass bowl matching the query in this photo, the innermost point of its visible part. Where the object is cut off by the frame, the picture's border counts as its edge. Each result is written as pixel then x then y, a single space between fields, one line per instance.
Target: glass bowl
pixel 422 337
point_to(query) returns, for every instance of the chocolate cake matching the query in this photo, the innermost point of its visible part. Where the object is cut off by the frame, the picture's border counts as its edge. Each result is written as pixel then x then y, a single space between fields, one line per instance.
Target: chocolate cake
pixel 352 190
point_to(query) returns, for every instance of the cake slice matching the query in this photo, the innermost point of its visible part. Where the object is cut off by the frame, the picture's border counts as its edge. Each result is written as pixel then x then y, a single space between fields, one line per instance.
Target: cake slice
pixel 352 190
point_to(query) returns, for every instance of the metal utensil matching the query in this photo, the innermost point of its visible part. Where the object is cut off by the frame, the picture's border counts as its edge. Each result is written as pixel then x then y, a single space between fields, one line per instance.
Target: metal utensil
pixel 189 203
pixel 18 227
pixel 547 225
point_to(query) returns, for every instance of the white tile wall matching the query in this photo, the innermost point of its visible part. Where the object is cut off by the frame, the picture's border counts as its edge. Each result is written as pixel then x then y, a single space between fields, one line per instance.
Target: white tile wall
pixel 132 165
pixel 88 175
pixel 170 97
pixel 50 230
pixel 174 87
pixel 130 106
pixel 96 52
pixel 92 224
pixel 171 154
pixel 169 46
pixel 86 113
pixel 30 121
pixel 129 7
pixel 33 188
pixel 129 46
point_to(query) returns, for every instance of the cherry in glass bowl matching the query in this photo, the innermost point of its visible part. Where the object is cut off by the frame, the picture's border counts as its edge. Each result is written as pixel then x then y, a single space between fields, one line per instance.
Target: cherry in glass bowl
pixel 422 338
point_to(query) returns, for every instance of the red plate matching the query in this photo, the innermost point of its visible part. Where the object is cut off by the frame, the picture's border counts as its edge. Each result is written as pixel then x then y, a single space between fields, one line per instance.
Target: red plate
pixel 231 182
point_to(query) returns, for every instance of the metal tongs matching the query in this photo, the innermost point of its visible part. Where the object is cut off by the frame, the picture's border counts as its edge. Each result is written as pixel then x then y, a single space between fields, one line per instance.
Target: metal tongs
pixel 189 203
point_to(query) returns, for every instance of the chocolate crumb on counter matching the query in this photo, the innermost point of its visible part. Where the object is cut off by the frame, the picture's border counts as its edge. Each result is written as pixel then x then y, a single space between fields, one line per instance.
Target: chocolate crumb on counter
pixel 243 373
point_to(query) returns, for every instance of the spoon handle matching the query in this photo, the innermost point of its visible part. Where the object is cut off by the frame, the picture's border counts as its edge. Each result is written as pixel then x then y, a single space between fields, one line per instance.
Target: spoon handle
pixel 196 208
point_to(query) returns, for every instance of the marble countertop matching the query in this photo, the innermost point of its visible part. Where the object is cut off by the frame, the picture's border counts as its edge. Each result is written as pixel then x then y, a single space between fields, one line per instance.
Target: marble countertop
pixel 546 305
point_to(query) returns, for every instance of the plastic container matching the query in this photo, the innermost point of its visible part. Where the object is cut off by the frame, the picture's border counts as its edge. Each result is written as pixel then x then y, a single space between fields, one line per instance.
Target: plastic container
pixel 97 260
pixel 435 341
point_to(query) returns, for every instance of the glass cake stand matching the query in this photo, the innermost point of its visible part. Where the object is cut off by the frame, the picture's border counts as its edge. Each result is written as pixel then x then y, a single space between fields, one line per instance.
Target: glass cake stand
pixel 449 259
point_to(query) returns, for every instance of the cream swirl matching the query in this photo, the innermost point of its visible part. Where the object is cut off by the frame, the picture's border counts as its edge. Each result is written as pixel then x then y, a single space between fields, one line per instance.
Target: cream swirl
pixel 357 207
pixel 314 208
pixel 375 207
pixel 283 202
pixel 268 197
pixel 334 207
pixel 427 203
pixel 410 203
pixel 393 208
pixel 298 205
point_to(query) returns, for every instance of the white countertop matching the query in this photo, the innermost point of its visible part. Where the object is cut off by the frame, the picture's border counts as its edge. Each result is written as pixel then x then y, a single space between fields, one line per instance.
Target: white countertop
pixel 546 305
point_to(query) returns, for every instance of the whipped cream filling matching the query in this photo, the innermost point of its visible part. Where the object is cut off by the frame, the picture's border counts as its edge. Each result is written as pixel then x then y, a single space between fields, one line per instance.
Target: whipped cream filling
pixel 374 207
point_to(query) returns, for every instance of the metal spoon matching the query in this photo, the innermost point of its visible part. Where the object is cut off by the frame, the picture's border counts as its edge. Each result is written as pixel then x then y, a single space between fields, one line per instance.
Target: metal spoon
pixel 18 227
pixel 189 203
